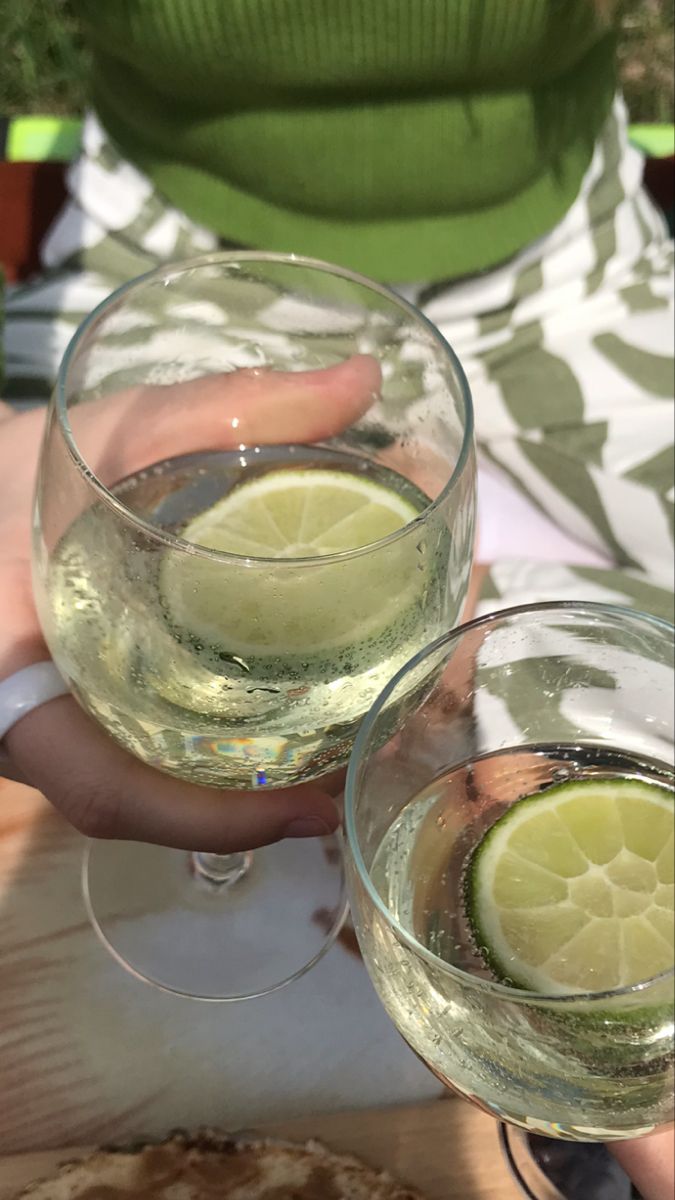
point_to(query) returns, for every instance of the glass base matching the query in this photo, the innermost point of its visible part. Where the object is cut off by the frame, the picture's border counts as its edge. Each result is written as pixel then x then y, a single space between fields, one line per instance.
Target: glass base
pixel 548 1169
pixel 209 936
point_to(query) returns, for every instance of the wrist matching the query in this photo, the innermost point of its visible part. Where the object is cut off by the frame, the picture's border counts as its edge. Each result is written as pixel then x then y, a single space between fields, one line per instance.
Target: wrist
pixel 22 692
pixel 16 655
pixel 21 640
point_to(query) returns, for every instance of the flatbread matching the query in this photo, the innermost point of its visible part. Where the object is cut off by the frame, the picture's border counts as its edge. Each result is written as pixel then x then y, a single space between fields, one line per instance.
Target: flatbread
pixel 210 1166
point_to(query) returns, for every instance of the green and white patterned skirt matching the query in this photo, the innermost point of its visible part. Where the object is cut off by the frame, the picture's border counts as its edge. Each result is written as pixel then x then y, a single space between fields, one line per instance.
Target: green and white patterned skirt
pixel 568 348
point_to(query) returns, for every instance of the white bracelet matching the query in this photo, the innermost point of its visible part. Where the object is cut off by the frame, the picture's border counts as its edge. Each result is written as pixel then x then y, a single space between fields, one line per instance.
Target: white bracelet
pixel 28 689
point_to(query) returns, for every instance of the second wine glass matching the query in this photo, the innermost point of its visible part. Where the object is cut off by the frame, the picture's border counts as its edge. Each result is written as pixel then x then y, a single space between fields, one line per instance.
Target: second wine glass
pixel 511 866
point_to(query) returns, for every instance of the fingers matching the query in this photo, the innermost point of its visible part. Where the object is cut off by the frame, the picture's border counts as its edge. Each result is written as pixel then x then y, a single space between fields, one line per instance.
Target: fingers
pixel 650 1163
pixel 260 406
pixel 119 435
pixel 427 467
pixel 477 578
pixel 105 792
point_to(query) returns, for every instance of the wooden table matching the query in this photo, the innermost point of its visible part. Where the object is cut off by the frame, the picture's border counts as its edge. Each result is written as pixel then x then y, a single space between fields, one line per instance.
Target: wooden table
pixel 446 1149
pixel 88 1055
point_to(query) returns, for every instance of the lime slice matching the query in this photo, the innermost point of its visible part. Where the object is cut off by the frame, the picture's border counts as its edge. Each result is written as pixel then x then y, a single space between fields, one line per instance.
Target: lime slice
pixel 249 606
pixel 300 514
pixel 572 889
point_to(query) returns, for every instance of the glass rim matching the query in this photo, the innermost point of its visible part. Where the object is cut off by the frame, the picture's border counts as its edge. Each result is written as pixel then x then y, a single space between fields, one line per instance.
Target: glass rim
pixel 166 272
pixel 358 755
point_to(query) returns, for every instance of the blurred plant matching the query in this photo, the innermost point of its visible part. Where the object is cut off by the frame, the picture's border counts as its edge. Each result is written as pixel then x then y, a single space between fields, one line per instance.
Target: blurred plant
pixel 646 58
pixel 44 64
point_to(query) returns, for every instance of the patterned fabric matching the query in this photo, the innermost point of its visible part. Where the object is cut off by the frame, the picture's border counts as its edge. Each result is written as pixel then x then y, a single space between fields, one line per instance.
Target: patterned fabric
pixel 568 348
pixel 522 582
pixel 569 352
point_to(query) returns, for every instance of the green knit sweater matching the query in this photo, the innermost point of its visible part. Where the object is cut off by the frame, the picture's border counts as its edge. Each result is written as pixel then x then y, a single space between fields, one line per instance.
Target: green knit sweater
pixel 409 139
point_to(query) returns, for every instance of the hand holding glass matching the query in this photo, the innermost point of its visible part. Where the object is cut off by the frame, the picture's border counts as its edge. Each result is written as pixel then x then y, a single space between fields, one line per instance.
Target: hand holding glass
pixel 255 502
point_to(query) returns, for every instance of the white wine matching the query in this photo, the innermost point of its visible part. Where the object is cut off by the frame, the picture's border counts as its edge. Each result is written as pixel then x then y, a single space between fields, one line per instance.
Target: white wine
pixel 579 1068
pixel 276 693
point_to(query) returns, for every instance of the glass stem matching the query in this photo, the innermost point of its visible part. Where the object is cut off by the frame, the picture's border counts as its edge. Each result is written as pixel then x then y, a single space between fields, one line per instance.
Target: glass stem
pixel 221 870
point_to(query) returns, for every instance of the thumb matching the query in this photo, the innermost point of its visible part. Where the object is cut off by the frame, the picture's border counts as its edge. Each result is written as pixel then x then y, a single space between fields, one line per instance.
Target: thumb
pixel 118 435
pixel 106 793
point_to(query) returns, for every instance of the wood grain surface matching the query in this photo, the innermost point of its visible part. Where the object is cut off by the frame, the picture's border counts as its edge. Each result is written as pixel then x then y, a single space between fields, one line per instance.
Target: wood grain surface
pixel 446 1149
pixel 90 1056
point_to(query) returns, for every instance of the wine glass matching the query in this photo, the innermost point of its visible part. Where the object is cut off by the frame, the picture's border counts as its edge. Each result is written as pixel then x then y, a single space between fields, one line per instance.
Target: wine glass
pixel 211 590
pixel 485 824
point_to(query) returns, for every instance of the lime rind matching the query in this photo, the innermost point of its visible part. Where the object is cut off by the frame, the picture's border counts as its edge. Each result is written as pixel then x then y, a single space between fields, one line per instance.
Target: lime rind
pixel 543 923
pixel 322 511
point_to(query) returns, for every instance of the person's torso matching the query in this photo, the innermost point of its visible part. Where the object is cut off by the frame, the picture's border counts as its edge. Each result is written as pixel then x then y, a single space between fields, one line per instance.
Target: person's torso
pixel 357 113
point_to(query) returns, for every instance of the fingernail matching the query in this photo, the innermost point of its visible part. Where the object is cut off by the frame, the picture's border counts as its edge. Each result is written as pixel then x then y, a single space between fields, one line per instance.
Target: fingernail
pixel 307 827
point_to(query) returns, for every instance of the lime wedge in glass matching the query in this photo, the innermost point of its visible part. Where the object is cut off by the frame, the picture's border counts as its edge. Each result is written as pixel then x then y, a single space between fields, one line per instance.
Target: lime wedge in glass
pixel 571 890
pixel 252 607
